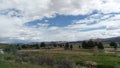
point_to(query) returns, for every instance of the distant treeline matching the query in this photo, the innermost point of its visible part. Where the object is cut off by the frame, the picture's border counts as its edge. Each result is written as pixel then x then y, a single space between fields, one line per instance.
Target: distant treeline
pixel 67 46
pixel 85 44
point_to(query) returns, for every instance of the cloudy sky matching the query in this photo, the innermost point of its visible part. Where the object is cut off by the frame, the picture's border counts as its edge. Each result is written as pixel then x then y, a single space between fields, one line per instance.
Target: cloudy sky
pixel 58 20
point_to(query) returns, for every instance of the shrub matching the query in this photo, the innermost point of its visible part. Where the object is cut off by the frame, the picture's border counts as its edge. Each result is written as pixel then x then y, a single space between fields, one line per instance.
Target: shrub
pixel 23 55
pixel 81 63
pixel 113 44
pixel 100 46
pixel 66 46
pixel 105 66
pixel 42 44
pixel 41 60
pixel 65 63
pixel 10 49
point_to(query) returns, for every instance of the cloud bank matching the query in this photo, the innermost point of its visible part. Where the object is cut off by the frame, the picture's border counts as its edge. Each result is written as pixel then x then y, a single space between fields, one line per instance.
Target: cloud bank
pixel 15 13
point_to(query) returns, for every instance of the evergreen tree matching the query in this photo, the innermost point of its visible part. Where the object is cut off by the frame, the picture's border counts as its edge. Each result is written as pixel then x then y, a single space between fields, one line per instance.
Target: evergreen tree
pixel 88 45
pixel 55 45
pixel 79 46
pixel 42 44
pixel 71 47
pixel 24 46
pixel 84 44
pixel 19 47
pixel 91 44
pixel 66 46
pixel 100 46
pixel 114 45
pixel 60 45
pixel 37 46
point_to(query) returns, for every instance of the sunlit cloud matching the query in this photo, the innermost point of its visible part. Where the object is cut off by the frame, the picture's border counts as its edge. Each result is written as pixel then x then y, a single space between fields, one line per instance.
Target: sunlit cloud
pixel 58 20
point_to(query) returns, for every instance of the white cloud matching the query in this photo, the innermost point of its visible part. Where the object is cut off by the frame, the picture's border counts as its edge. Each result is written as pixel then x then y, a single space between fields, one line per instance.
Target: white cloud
pixel 13 28
pixel 47 8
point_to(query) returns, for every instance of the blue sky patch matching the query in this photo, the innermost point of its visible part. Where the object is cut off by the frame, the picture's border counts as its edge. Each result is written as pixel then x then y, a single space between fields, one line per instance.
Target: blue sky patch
pixel 60 20
pixel 91 29
pixel 11 12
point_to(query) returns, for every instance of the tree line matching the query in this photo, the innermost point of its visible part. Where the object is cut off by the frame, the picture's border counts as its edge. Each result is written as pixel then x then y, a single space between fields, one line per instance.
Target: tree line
pixel 67 46
pixel 92 44
pixel 85 45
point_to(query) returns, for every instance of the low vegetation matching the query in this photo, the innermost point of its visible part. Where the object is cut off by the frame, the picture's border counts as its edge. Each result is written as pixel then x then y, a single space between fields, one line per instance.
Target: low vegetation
pixel 88 54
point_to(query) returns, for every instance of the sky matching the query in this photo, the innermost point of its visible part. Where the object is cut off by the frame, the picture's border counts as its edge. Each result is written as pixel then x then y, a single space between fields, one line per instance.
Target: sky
pixel 58 20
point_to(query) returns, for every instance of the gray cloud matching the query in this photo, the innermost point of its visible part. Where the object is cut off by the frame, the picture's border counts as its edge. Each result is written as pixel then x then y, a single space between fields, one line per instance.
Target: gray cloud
pixel 13 28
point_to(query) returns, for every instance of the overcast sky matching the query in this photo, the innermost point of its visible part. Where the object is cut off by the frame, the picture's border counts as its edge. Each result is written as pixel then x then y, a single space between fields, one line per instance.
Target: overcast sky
pixel 58 20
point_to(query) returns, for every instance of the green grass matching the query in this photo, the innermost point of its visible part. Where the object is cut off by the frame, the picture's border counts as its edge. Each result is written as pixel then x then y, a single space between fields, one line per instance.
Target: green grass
pixel 8 61
pixel 81 56
pixel 78 56
pixel 16 65
pixel 102 59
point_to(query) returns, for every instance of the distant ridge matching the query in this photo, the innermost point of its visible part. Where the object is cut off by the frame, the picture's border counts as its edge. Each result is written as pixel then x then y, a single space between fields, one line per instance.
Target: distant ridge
pixel 112 39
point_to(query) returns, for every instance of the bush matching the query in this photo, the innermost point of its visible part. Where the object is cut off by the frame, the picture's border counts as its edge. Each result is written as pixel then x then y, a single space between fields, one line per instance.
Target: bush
pixel 88 45
pixel 105 66
pixel 65 63
pixel 9 57
pixel 81 63
pixel 18 60
pixel 67 46
pixel 41 60
pixel 23 55
pixel 100 46
pixel 42 44
pixel 114 44
pixel 10 49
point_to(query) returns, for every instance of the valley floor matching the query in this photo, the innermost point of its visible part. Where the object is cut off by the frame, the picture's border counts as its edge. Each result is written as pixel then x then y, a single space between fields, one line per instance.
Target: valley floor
pixel 60 58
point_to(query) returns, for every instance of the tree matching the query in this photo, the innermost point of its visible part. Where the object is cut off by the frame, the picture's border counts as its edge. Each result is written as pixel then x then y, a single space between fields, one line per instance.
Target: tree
pixel 60 45
pixel 114 45
pixel 84 44
pixel 24 46
pixel 55 45
pixel 42 44
pixel 66 46
pixel 37 46
pixel 18 47
pixel 90 44
pixel 71 47
pixel 79 46
pixel 100 46
pixel 96 43
pixel 12 49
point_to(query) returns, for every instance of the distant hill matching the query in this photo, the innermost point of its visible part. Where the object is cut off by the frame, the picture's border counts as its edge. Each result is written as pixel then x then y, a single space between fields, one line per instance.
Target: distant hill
pixel 113 39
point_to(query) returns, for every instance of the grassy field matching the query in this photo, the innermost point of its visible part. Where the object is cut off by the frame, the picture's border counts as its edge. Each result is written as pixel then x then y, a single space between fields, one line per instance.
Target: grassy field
pixel 60 58
pixel 80 56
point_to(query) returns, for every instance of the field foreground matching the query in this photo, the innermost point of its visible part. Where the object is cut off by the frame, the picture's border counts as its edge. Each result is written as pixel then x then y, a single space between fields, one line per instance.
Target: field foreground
pixel 60 58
